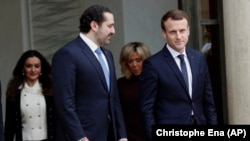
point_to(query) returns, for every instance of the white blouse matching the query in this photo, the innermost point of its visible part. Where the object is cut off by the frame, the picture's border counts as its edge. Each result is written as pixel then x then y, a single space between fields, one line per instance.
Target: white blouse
pixel 33 113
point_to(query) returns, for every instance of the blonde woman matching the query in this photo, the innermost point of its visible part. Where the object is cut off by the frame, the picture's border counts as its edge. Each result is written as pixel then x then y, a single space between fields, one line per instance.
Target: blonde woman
pixel 131 60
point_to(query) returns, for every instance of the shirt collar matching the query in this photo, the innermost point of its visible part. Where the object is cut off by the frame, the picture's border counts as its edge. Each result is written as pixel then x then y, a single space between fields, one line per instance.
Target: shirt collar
pixel 89 42
pixel 175 53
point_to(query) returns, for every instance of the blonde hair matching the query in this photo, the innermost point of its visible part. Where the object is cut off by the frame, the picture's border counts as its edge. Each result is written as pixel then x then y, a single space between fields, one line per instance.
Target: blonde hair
pixel 127 51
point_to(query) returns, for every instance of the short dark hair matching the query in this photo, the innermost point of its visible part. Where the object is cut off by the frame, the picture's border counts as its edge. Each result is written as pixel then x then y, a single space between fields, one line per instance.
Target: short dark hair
pixel 93 13
pixel 175 14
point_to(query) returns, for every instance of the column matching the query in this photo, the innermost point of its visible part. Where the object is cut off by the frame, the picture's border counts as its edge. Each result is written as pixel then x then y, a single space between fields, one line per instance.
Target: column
pixel 237 53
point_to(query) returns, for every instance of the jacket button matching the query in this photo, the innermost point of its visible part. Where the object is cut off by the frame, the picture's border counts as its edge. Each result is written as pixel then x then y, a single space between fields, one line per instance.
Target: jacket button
pixel 109 118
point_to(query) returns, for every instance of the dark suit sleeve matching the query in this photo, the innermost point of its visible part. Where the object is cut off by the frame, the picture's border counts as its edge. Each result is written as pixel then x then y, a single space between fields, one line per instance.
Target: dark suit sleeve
pixel 148 90
pixel 121 130
pixel 63 74
pixel 209 106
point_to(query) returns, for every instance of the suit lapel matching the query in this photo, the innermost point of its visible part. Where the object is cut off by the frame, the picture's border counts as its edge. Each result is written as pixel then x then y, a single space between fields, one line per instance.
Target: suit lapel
pixel 172 64
pixel 193 66
pixel 92 58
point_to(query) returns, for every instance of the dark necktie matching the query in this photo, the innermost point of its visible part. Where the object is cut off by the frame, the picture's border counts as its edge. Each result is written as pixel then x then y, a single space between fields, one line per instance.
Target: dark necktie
pixel 184 69
pixel 104 67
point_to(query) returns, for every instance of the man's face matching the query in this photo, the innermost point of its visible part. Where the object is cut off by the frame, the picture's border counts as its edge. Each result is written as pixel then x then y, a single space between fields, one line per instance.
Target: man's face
pixel 176 33
pixel 105 30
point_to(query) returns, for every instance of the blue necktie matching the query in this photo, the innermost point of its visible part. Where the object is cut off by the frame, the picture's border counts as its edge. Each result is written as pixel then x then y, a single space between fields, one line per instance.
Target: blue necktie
pixel 104 67
pixel 184 69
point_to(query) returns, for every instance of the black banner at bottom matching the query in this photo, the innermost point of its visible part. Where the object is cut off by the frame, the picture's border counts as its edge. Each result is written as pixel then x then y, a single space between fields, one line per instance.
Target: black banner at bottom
pixel 193 132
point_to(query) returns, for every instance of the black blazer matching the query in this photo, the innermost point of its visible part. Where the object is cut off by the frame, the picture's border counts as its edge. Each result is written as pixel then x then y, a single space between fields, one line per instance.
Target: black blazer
pixel 13 125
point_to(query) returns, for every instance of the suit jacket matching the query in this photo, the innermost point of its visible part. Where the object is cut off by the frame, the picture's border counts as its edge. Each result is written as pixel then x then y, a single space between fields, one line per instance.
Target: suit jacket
pixel 85 106
pixel 164 96
pixel 13 123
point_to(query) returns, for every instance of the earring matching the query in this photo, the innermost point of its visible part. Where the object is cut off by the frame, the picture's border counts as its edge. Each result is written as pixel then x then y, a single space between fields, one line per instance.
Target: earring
pixel 23 73
pixel 40 73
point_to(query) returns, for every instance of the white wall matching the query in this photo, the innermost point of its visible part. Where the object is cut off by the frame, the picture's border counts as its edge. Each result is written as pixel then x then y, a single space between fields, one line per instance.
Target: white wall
pixel 237 51
pixel 142 21
pixel 10 40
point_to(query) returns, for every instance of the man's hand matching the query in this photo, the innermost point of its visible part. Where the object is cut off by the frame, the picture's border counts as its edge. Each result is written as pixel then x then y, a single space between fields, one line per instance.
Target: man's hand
pixel 123 139
pixel 84 139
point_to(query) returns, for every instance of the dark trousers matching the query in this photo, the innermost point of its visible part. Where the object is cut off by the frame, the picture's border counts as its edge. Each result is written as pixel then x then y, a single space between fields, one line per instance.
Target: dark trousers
pixel 194 120
pixel 111 136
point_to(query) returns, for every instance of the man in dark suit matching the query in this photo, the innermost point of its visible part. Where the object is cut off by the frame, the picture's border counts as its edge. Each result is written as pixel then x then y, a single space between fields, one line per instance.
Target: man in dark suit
pixel 88 106
pixel 1 116
pixel 176 90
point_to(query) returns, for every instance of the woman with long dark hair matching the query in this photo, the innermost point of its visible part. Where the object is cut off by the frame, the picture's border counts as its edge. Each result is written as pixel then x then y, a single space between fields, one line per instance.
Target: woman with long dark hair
pixel 29 103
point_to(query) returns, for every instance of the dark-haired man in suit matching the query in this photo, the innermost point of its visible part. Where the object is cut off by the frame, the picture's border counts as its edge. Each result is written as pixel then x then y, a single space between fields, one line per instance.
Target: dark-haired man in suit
pixel 86 94
pixel 175 83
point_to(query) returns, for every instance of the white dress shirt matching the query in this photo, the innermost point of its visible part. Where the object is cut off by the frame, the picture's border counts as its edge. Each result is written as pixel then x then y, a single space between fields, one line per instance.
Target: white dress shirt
pixel 93 48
